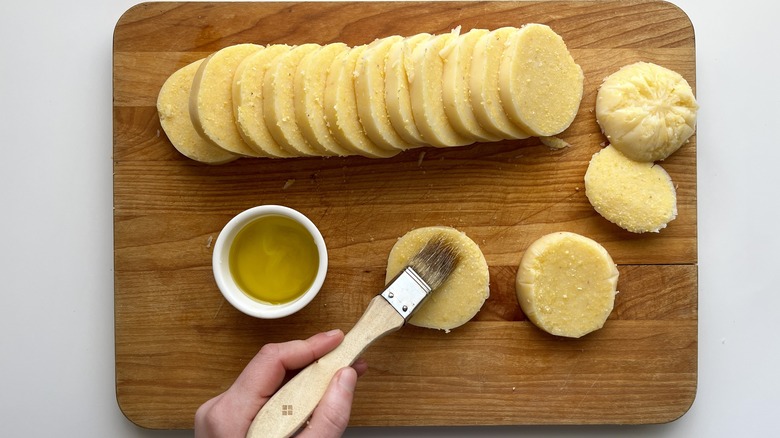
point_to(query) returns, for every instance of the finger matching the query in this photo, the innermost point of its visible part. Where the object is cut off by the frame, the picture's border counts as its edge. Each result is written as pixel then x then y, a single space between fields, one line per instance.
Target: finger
pixel 331 416
pixel 205 423
pixel 266 371
pixel 361 366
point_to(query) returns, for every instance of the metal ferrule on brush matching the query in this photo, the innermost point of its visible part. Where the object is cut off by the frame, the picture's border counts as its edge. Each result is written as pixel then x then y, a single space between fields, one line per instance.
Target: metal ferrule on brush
pixel 406 291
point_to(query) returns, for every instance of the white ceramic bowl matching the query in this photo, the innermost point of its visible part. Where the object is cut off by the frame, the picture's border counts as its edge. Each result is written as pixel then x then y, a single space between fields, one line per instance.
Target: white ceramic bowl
pixel 229 288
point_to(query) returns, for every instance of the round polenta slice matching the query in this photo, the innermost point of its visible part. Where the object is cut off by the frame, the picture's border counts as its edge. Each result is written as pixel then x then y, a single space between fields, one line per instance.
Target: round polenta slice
pixel 637 196
pixel 211 98
pixel 370 95
pixel 279 103
pixel 248 101
pixel 464 292
pixel 341 112
pixel 174 112
pixel 425 91
pixel 566 284
pixel 398 68
pixel 309 90
pixel 455 86
pixel 540 84
pixel 484 82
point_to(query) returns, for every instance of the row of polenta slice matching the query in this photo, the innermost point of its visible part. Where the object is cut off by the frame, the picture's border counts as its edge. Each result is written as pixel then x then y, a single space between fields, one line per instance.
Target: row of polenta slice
pixel 374 100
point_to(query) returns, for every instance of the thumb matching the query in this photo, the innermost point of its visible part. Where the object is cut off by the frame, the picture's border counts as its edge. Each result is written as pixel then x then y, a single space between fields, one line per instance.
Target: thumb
pixel 330 418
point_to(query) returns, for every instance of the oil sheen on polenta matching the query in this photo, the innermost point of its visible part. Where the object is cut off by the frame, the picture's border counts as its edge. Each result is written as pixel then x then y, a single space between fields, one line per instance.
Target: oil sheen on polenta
pixel 274 259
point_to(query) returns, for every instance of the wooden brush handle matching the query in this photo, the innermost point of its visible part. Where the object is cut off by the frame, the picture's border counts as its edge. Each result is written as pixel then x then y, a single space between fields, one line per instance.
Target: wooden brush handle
pixel 294 403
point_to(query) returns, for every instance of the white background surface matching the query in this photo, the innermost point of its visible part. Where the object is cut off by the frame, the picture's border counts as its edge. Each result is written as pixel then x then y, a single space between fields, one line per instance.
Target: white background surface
pixel 56 313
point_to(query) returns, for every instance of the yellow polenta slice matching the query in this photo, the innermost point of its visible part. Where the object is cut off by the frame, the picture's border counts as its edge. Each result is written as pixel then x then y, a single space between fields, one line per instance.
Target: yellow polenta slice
pixel 425 92
pixel 399 105
pixel 455 86
pixel 341 110
pixel 566 284
pixel 370 95
pixel 211 98
pixel 637 196
pixel 279 103
pixel 540 84
pixel 174 112
pixel 309 90
pixel 464 292
pixel 484 82
pixel 248 101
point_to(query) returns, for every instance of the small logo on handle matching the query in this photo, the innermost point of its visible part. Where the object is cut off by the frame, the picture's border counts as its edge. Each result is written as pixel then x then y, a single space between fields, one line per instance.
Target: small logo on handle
pixel 287 410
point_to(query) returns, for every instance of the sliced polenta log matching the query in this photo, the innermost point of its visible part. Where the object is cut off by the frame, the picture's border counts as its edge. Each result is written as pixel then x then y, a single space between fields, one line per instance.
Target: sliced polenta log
pixel 540 84
pixel 174 112
pixel 455 86
pixel 211 99
pixel 279 103
pixel 397 70
pixel 484 83
pixel 370 95
pixel 394 94
pixel 309 90
pixel 464 292
pixel 425 91
pixel 341 110
pixel 566 284
pixel 248 101
pixel 636 196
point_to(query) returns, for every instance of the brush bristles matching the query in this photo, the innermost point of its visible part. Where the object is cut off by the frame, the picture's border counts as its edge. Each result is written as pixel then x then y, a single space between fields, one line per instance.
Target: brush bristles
pixel 435 262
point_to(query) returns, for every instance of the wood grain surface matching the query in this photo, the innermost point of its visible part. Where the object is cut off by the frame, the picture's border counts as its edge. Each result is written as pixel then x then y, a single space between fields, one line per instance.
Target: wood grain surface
pixel 178 343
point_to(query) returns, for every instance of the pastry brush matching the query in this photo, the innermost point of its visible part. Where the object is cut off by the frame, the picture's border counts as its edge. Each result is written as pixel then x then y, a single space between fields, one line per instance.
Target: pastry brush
pixel 293 404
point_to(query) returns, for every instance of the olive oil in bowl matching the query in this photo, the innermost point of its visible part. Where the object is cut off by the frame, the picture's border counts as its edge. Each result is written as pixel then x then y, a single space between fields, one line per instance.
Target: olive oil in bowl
pixel 274 259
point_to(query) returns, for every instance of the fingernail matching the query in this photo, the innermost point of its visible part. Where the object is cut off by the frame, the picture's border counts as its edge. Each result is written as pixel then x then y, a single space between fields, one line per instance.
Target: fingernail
pixel 334 332
pixel 347 379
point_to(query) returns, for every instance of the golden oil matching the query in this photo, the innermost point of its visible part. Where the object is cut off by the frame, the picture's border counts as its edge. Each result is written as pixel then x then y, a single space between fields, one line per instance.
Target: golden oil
pixel 274 259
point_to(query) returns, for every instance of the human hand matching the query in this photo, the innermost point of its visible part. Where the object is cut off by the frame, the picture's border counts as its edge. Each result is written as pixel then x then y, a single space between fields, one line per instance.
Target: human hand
pixel 230 413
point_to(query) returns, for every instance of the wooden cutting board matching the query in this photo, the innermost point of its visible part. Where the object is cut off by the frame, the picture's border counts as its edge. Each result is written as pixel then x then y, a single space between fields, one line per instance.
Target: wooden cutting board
pixel 179 343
